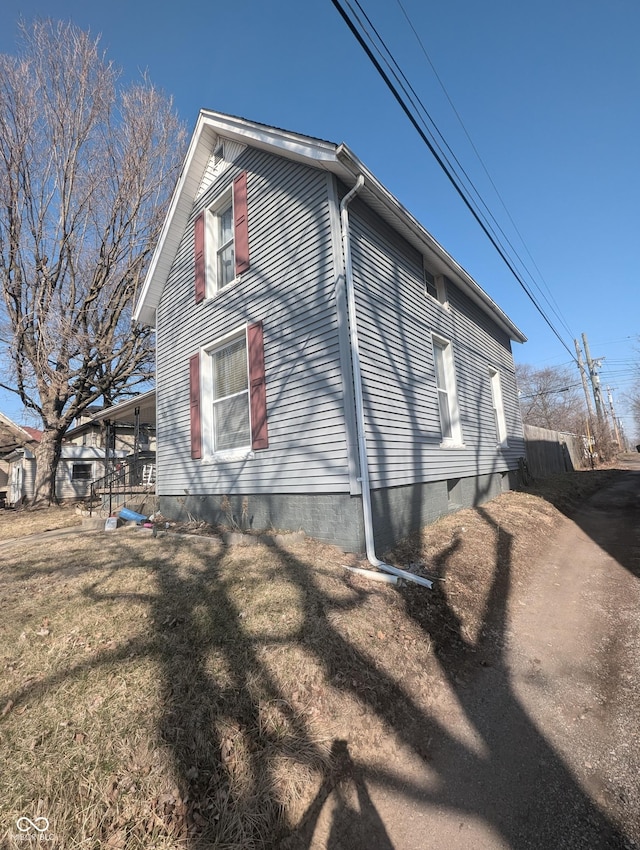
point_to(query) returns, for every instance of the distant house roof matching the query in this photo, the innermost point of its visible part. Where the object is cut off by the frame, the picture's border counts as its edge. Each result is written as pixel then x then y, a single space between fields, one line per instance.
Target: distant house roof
pixel 335 158
pixel 14 436
pixel 125 412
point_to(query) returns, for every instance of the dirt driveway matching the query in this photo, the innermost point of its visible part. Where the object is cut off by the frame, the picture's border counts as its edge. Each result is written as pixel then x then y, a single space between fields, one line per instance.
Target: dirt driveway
pixel 539 746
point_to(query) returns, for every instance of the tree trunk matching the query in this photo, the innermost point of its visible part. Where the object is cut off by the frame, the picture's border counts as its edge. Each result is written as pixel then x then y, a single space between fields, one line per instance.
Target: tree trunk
pixel 47 456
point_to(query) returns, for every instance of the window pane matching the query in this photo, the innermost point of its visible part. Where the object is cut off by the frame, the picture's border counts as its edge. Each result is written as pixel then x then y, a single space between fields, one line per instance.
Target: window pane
pixel 230 369
pixel 438 358
pixel 430 284
pixel 231 397
pixel 231 422
pixel 226 266
pixel 445 415
pixel 225 219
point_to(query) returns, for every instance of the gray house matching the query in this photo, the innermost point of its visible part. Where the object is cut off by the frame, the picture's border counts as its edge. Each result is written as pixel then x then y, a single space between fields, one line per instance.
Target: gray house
pixel 322 361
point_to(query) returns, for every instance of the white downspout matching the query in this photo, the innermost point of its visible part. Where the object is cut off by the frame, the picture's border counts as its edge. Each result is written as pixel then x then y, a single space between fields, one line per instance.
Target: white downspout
pixel 357 385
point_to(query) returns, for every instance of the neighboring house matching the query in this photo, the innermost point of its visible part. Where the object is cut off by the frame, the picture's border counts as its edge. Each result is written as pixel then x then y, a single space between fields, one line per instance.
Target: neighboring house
pixel 77 468
pixel 128 426
pixel 320 357
pixel 84 454
pixel 13 437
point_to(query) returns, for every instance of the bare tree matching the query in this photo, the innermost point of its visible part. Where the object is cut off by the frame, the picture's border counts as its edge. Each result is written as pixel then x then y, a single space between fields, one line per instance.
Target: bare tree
pixel 86 166
pixel 551 398
pixel 632 400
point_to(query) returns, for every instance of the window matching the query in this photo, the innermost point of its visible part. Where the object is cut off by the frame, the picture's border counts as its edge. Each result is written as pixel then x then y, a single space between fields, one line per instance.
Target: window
pixel 230 391
pixel 222 241
pixel 231 415
pixel 81 472
pixel 447 397
pixel 498 407
pixel 221 268
pixel 435 286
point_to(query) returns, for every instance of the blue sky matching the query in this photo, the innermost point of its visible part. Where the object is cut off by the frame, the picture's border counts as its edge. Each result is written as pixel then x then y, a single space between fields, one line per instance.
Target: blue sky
pixel 548 92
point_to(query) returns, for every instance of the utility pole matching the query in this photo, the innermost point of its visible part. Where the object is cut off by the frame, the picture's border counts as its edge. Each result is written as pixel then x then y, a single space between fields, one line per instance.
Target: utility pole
pixel 585 384
pixel 613 417
pixel 594 365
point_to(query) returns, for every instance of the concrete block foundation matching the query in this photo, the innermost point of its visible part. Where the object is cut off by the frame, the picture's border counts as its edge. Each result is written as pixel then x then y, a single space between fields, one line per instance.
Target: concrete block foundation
pixel 337 518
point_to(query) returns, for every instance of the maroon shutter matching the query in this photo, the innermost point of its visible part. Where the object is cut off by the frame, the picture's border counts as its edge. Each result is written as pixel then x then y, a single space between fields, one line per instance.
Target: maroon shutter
pixel 257 388
pixel 194 405
pixel 200 262
pixel 241 223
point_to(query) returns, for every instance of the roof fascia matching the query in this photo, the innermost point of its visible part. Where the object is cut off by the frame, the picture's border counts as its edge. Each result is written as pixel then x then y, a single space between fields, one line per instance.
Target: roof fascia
pixel 295 145
pixel 210 124
pixel 339 160
pixel 11 424
pixel 124 407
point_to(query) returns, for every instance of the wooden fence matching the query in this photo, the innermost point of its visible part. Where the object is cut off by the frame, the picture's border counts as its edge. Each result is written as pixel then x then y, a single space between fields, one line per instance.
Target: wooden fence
pixel 554 451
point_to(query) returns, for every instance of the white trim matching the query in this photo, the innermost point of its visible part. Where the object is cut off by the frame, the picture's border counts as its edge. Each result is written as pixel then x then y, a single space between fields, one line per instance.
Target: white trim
pixel 502 437
pixel 450 390
pixel 342 315
pixel 438 282
pixel 211 240
pixel 229 455
pixel 209 453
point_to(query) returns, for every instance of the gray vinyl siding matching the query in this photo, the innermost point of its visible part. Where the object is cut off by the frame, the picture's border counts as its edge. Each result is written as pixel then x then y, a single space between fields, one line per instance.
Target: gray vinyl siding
pixel 66 487
pixel 28 465
pixel 396 320
pixel 290 286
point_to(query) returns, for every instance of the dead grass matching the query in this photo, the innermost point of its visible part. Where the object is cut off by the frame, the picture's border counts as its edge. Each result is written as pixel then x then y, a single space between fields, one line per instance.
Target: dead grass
pixel 175 693
pixel 24 521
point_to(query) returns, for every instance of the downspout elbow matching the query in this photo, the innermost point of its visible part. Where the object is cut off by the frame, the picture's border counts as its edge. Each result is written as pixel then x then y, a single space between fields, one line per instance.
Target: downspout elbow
pixel 351 194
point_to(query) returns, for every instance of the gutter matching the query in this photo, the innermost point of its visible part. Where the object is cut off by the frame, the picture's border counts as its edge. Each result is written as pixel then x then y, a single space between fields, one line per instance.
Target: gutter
pixel 357 384
pixel 400 219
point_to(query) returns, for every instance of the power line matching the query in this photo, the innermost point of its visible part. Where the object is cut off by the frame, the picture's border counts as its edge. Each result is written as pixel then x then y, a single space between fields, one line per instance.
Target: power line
pixel 440 159
pixel 557 312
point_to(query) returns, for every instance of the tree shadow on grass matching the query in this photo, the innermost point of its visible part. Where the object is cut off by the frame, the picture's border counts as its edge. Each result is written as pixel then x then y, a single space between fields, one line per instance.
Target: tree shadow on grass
pixel 241 747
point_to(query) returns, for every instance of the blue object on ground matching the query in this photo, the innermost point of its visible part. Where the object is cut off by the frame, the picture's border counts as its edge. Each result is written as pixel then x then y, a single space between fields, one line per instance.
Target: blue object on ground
pixel 125 513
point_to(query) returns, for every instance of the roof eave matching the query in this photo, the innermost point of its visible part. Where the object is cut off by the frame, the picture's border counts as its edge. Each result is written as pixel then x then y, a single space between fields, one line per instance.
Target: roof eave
pixel 210 124
pixel 124 408
pixel 390 209
pixel 339 160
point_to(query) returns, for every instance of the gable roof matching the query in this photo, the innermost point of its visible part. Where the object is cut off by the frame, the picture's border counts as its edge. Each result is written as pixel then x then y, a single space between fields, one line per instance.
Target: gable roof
pixel 335 158
pixel 13 436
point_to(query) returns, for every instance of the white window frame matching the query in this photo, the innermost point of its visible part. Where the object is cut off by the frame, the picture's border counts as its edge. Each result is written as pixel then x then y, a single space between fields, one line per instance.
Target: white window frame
pixel 212 242
pixel 498 407
pixel 447 393
pixel 207 400
pixel 435 282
